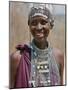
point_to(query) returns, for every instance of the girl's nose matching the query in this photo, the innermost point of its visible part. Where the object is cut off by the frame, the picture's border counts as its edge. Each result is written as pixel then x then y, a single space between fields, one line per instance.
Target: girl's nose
pixel 39 27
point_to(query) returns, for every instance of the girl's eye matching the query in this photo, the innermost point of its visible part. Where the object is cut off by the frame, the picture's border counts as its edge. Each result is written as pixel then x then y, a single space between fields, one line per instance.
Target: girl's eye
pixel 43 22
pixel 34 23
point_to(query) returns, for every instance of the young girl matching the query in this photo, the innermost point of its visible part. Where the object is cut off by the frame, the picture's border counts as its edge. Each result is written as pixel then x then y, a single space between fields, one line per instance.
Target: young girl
pixel 37 64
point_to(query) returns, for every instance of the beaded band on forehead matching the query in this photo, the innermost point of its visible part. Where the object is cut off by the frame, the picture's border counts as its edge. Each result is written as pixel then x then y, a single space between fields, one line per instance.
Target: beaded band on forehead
pixel 41 11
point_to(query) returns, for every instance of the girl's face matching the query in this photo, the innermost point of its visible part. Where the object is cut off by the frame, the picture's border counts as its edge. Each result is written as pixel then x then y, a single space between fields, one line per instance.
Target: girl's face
pixel 40 28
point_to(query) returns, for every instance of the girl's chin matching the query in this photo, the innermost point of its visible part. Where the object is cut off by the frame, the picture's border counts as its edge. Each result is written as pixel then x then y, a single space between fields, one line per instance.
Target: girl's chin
pixel 40 40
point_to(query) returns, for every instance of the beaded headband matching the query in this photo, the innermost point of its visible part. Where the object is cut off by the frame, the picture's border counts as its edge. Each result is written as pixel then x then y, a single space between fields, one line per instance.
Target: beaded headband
pixel 41 11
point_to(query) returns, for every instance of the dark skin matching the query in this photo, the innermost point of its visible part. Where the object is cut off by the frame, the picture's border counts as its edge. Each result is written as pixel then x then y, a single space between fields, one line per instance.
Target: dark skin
pixel 40 29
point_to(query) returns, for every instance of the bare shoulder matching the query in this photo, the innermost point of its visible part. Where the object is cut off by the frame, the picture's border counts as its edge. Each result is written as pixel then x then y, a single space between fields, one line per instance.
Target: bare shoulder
pixel 15 55
pixel 58 55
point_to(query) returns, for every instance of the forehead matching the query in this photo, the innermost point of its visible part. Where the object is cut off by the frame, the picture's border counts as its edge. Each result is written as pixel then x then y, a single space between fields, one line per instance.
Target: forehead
pixel 38 18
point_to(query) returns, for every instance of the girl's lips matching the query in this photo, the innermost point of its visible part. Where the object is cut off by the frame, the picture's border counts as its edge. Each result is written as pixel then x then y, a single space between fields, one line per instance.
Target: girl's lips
pixel 40 35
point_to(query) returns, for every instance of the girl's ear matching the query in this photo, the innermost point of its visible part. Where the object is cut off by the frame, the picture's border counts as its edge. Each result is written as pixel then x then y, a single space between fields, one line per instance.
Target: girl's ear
pixel 50 27
pixel 51 24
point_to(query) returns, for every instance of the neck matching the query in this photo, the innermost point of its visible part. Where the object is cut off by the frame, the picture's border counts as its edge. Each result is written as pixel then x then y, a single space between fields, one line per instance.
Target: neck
pixel 42 45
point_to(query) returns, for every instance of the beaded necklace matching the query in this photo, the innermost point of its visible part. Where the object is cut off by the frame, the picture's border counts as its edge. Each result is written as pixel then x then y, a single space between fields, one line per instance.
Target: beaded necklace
pixel 40 74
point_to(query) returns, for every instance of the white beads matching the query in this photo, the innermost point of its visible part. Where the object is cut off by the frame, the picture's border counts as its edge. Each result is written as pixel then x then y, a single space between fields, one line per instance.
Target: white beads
pixel 34 72
pixel 49 81
pixel 33 66
pixel 38 67
pixel 45 66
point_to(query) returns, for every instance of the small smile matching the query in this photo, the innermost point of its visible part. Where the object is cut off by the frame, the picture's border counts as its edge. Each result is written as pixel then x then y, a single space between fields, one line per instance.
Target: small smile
pixel 40 35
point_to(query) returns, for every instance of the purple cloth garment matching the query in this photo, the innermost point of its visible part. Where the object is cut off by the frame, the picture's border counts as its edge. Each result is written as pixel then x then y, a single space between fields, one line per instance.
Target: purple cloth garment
pixel 23 71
